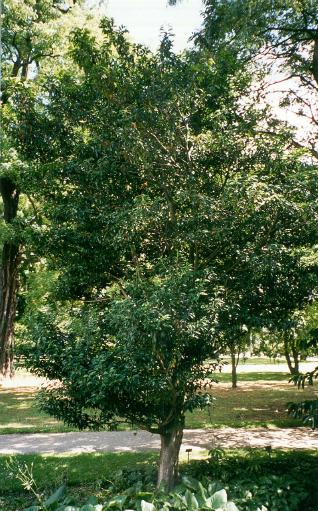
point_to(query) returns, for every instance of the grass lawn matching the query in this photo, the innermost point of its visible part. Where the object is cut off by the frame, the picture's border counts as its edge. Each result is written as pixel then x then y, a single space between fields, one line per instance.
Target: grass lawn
pixel 19 413
pixel 252 404
pixel 260 400
pixel 258 361
pixel 253 376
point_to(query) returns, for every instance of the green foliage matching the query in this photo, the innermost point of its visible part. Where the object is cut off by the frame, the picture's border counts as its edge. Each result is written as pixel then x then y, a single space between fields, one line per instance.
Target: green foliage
pixel 246 26
pixel 142 359
pixel 172 222
pixel 164 242
pixel 190 495
pixel 276 480
pixel 251 478
pixel 296 339
pixel 301 379
pixel 34 33
pixel 278 40
pixel 305 410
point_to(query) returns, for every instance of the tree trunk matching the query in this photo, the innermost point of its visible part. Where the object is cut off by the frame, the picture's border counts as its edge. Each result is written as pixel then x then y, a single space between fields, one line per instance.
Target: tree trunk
pixel 296 358
pixel 234 369
pixel 8 279
pixel 293 369
pixel 169 457
pixel 315 61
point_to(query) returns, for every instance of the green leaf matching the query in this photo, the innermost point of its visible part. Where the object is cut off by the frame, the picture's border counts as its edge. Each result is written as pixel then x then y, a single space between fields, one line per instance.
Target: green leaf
pixel 179 501
pixel 192 503
pixel 92 500
pixel 51 502
pixel 230 506
pixel 219 499
pixel 190 482
pixel 147 506
pixel 202 490
pixel 117 501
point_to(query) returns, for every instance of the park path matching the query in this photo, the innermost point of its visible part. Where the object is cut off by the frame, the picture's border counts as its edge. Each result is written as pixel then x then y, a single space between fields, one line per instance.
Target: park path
pixel 130 441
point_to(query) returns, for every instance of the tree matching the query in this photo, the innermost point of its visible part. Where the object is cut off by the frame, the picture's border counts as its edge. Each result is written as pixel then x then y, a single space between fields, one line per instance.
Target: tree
pixel 151 310
pixel 163 210
pixel 279 37
pixel 295 337
pixel 32 36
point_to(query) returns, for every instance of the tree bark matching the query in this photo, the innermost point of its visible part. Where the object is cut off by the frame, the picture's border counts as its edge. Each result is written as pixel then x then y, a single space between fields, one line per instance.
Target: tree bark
pixel 315 61
pixel 293 369
pixel 296 358
pixel 8 279
pixel 169 457
pixel 234 369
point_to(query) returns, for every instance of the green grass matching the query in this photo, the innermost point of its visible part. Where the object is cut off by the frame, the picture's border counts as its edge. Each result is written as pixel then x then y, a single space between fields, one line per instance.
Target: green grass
pixel 19 414
pixel 253 376
pixel 260 400
pixel 259 361
pixel 251 405
pixel 84 474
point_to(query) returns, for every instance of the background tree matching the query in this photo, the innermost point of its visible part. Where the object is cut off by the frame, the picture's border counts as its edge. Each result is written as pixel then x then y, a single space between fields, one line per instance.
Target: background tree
pixel 279 38
pixel 33 34
pixel 295 339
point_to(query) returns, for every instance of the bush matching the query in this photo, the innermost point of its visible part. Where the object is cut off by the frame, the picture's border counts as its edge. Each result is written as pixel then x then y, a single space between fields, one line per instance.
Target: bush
pixel 280 481
pixel 190 495
pixel 254 480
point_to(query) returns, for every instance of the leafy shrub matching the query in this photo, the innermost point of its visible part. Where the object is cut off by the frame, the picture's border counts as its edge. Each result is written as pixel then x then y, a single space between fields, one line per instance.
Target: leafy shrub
pixel 277 480
pixel 305 410
pixel 191 495
pixel 263 480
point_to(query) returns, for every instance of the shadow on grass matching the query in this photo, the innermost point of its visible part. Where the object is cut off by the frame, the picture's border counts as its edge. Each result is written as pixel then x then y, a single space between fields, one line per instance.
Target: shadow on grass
pixel 20 414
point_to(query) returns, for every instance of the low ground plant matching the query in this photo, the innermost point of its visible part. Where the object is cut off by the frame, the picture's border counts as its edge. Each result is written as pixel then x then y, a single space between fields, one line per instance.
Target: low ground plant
pixel 189 495
pixel 277 480
pixel 246 480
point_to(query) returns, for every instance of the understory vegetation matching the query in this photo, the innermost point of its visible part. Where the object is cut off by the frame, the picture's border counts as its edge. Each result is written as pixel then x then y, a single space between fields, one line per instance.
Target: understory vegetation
pixel 276 480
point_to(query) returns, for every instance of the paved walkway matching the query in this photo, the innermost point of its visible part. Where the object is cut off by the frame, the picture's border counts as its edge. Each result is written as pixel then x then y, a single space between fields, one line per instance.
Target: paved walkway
pixel 129 441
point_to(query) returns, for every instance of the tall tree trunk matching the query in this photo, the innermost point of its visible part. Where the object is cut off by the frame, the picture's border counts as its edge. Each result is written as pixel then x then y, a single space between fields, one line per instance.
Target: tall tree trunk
pixel 8 279
pixel 169 457
pixel 296 358
pixel 234 363
pixel 293 369
pixel 315 61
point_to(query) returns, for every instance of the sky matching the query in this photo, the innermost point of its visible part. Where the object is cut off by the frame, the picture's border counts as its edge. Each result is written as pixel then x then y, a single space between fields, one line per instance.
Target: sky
pixel 144 19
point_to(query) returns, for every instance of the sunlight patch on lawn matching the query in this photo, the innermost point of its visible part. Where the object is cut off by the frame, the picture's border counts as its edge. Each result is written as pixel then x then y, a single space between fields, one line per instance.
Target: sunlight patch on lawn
pixel 15 425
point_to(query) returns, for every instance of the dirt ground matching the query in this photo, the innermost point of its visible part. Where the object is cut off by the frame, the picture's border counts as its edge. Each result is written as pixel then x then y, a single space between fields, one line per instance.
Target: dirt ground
pixel 135 441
